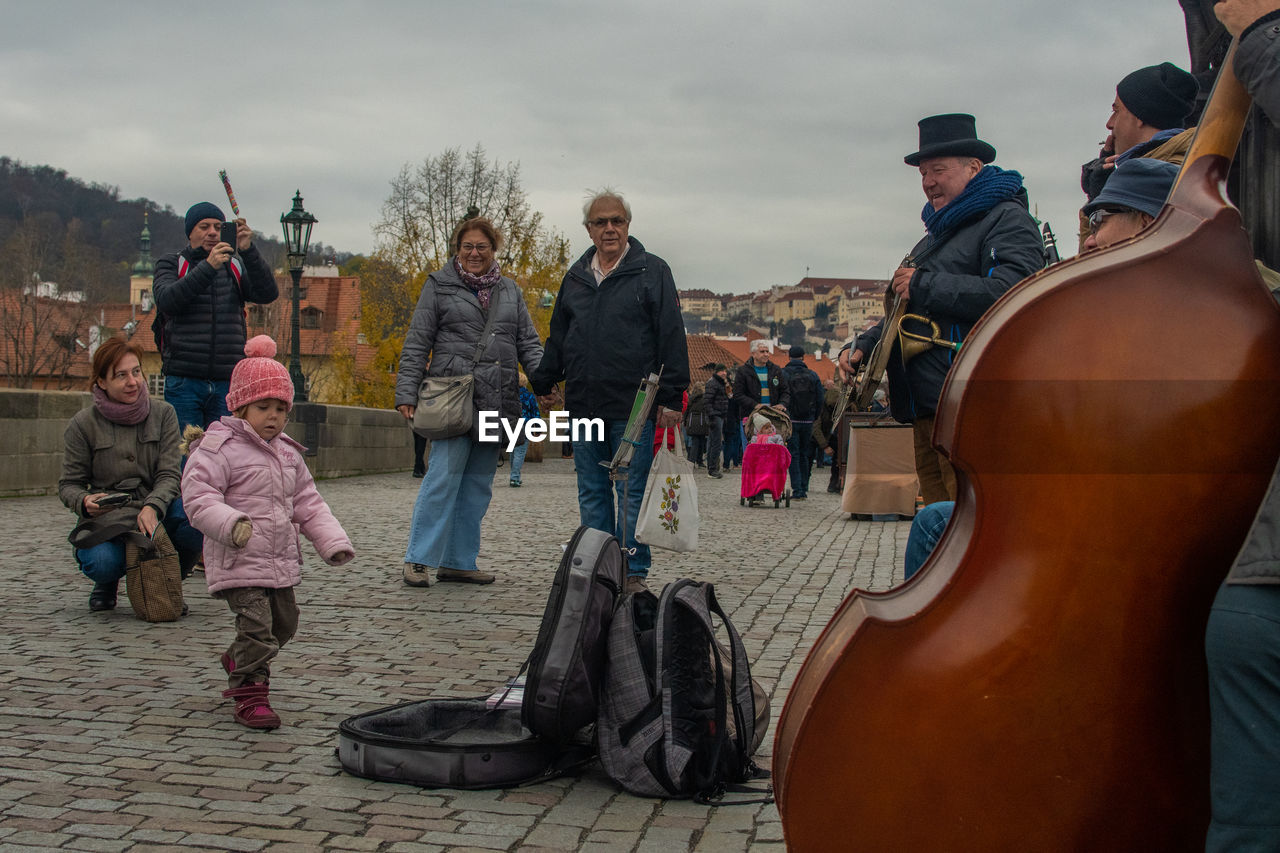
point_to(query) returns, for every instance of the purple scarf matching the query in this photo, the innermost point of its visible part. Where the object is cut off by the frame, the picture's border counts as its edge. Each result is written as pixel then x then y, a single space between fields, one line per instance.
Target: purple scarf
pixel 481 285
pixel 126 414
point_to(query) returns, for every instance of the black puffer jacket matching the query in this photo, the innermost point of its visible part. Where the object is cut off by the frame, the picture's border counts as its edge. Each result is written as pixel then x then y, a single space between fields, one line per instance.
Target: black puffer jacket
pixel 204 332
pixel 605 339
pixel 954 286
pixel 717 397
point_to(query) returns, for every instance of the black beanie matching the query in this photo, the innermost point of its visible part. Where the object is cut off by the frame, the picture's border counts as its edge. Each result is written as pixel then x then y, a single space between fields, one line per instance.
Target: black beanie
pixel 200 211
pixel 797 352
pixel 1159 95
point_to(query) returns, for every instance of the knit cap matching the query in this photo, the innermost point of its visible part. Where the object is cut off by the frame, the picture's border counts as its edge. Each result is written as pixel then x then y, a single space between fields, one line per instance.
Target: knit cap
pixel 1159 95
pixel 259 376
pixel 200 211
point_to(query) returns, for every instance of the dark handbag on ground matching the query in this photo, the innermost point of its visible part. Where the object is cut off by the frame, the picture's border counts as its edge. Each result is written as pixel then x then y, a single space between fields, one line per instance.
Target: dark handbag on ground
pixel 446 406
pixel 153 577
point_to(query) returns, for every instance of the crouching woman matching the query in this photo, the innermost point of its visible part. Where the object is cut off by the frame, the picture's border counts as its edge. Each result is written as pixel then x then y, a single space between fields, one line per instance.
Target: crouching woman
pixel 125 448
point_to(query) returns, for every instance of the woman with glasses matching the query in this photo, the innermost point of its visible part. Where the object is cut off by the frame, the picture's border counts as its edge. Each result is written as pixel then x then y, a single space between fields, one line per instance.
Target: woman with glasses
pixel 444 339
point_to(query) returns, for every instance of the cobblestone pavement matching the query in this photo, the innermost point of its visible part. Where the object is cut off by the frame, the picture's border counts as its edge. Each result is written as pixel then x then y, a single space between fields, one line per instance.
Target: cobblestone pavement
pixel 114 736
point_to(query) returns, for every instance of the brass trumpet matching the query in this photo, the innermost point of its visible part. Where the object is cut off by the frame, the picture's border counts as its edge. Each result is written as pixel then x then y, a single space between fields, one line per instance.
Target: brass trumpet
pixel 914 343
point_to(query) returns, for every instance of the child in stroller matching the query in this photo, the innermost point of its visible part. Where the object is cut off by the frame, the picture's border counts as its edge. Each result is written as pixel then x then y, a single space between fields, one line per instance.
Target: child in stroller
pixel 766 460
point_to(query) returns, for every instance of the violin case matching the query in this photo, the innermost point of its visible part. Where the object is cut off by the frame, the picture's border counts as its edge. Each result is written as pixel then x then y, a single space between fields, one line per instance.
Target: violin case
pixel 452 743
pixel 525 733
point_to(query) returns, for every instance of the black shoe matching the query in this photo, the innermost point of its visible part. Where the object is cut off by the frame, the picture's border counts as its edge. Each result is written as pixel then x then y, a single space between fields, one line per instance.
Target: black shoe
pixel 103 596
pixel 419 472
pixel 715 475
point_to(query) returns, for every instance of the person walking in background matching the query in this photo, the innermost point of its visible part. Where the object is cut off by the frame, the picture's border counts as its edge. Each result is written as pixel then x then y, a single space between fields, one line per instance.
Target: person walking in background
pixel 696 424
pixel 715 402
pixel 247 488
pixel 806 405
pixel 453 310
pixel 528 411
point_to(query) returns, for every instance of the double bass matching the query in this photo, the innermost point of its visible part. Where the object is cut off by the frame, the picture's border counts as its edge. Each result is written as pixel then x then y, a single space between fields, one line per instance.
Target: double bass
pixel 1040 684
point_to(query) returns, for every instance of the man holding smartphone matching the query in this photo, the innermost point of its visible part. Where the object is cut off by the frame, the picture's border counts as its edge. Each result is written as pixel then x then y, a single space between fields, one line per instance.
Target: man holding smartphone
pixel 200 294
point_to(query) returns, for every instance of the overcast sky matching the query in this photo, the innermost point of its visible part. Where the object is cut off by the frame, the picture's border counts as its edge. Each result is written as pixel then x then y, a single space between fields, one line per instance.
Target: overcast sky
pixel 756 142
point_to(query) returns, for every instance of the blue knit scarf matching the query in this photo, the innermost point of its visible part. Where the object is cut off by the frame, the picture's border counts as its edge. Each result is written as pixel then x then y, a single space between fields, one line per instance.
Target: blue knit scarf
pixel 988 188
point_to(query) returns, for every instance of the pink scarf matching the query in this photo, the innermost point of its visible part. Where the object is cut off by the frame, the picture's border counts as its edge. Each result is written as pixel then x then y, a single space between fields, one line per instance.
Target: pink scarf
pixel 481 285
pixel 126 414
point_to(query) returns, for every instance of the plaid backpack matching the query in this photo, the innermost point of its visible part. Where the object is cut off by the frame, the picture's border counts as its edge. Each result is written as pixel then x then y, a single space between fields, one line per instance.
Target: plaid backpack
pixel 678 718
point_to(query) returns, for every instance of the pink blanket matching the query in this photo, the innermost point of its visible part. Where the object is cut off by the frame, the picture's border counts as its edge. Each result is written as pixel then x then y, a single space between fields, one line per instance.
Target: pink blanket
pixel 764 469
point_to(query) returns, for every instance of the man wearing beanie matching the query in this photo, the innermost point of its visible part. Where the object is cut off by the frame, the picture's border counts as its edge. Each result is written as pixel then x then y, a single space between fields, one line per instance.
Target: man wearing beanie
pixel 1148 117
pixel 200 294
pixel 806 404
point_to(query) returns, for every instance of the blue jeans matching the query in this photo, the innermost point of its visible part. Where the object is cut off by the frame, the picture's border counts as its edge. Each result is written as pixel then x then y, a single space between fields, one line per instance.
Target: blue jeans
pixel 197 401
pixel 104 563
pixel 1242 643
pixel 800 445
pixel 517 461
pixel 596 492
pixel 926 530
pixel 455 494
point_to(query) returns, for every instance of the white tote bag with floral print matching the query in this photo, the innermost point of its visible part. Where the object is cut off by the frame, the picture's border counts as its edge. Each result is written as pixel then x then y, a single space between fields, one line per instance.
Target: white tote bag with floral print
pixel 669 512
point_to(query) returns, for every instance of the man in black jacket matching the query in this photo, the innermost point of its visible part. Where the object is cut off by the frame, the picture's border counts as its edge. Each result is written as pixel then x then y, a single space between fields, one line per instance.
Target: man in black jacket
pixel 806 393
pixel 981 241
pixel 760 382
pixel 616 320
pixel 716 402
pixel 200 294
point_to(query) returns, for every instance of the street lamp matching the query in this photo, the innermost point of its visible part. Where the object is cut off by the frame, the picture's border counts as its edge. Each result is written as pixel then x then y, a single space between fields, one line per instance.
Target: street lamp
pixel 297 236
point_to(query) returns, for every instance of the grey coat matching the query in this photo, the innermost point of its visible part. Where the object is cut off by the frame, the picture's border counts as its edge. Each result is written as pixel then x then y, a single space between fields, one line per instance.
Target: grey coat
pixel 1258 67
pixel 446 327
pixel 98 455
pixel 1258 64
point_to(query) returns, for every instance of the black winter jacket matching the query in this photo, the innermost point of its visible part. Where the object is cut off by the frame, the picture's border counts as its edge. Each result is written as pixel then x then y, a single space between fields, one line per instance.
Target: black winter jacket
pixel 204 332
pixel 798 373
pixel 746 387
pixel 716 398
pixel 606 338
pixel 954 286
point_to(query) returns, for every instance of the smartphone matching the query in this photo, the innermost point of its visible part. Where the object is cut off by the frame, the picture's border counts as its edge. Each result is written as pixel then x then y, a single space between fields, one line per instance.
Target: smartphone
pixel 114 499
pixel 229 234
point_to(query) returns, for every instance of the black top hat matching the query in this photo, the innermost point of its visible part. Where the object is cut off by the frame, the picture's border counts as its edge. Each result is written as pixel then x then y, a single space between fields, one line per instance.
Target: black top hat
pixel 950 135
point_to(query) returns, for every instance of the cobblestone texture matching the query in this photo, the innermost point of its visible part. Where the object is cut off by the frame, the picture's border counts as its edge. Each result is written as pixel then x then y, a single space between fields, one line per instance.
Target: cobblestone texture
pixel 114 735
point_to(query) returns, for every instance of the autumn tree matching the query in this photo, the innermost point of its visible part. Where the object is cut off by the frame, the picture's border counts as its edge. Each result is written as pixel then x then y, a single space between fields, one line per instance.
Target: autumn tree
pixel 426 203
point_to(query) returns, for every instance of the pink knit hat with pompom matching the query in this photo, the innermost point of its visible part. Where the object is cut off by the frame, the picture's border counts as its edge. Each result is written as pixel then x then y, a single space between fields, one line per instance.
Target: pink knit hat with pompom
pixel 259 376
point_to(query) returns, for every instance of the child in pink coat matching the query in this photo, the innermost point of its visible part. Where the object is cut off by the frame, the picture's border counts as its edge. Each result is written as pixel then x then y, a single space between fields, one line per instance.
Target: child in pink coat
pixel 246 487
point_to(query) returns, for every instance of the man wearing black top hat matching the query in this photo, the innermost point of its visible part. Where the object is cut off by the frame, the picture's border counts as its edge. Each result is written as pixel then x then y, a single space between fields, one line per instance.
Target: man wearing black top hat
pixel 980 241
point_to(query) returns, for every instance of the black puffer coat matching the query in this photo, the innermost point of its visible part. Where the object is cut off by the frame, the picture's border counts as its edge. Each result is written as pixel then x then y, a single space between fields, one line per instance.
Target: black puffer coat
pixel 204 331
pixel 954 286
pixel 606 338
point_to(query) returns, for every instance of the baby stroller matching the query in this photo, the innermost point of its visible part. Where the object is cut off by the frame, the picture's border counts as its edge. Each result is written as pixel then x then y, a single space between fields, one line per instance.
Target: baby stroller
pixel 766 459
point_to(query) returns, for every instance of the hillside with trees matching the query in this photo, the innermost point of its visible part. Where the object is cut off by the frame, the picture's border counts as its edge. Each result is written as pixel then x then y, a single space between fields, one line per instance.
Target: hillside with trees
pixel 84 236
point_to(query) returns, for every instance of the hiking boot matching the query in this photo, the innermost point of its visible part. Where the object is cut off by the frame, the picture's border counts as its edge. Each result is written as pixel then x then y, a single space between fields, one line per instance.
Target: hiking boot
pixel 634 584
pixel 416 574
pixel 103 596
pixel 253 709
pixel 460 576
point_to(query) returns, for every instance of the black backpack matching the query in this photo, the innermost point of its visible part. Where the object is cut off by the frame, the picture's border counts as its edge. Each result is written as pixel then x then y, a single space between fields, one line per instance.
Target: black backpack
pixel 806 393
pixel 567 666
pixel 681 715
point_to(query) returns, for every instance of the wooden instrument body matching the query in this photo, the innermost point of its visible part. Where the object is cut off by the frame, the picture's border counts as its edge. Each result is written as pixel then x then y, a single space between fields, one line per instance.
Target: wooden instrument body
pixel 1040 684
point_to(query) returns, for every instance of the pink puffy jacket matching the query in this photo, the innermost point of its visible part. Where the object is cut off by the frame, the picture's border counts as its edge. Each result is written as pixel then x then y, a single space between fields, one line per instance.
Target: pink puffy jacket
pixel 232 475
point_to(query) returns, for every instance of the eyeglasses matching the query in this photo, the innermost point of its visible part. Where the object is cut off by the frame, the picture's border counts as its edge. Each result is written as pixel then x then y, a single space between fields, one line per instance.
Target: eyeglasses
pixel 468 248
pixel 615 221
pixel 1098 216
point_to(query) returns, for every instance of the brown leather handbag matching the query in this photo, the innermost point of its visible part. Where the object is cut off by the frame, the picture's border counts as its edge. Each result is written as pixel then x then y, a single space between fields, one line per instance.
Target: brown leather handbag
pixel 153 578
